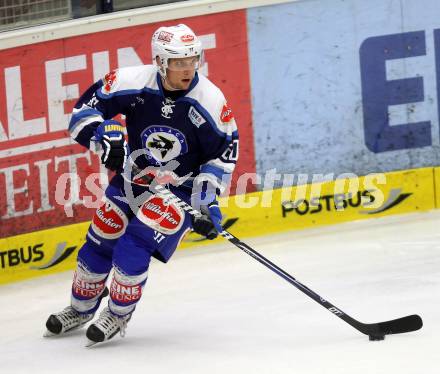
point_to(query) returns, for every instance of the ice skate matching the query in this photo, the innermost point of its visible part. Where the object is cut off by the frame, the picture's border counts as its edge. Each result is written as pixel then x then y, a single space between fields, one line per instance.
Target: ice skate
pixel 67 320
pixel 106 327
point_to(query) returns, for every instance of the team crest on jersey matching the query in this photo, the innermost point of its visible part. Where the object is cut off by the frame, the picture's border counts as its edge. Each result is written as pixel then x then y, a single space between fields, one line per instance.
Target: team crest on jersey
pixel 163 143
pixel 109 221
pixel 167 108
pixel 161 215
pixel 195 117
pixel 109 80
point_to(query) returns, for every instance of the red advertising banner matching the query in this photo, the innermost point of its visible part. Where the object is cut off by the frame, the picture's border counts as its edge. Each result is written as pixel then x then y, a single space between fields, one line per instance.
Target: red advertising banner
pixel 39 85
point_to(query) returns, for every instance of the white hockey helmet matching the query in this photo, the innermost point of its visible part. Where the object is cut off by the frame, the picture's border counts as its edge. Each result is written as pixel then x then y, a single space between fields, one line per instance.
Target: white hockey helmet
pixel 174 42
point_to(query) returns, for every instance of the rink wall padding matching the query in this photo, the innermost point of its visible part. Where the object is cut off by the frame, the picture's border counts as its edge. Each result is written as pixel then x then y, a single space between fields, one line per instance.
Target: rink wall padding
pixel 437 186
pixel 258 213
pixel 375 195
pixel 41 252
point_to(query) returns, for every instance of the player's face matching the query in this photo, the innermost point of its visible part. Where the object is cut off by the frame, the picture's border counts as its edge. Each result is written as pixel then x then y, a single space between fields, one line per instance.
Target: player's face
pixel 181 71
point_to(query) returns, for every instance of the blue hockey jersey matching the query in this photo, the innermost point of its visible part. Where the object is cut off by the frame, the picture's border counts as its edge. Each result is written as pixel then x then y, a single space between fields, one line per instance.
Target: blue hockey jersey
pixel 197 130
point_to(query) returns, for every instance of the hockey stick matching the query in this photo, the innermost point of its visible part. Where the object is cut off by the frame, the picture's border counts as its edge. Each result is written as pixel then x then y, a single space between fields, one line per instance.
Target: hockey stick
pixel 375 331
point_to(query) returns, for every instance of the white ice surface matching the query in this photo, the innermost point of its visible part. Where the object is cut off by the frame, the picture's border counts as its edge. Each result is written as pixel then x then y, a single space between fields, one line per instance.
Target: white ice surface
pixel 217 310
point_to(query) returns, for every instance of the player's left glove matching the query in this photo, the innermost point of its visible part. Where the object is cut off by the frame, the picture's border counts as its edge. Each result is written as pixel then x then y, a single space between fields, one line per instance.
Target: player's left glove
pixel 204 200
pixel 115 150
pixel 209 224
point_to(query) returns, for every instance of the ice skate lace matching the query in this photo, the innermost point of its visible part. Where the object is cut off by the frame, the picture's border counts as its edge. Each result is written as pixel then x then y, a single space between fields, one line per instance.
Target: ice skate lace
pixel 110 322
pixel 69 317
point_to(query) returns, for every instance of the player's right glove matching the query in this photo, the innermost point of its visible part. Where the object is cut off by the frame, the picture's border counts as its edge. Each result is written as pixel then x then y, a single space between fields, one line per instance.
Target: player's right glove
pixel 115 150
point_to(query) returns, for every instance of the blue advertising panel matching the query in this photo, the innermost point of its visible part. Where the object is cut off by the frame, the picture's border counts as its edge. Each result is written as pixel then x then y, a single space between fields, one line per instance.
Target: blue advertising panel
pixel 345 86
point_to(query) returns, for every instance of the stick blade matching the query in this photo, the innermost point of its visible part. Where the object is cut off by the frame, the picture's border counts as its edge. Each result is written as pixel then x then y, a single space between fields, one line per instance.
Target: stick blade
pixel 395 326
pixel 402 325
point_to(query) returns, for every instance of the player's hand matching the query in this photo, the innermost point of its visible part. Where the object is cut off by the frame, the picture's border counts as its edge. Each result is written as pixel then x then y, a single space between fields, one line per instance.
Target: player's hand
pixel 115 150
pixel 209 224
pixel 204 199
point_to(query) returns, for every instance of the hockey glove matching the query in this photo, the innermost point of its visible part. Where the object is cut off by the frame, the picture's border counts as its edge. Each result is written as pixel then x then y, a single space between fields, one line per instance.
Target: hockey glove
pixel 209 224
pixel 115 150
pixel 204 200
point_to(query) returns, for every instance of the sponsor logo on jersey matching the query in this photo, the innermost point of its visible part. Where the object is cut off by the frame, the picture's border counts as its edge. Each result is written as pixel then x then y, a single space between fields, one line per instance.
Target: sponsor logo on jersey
pixel 226 115
pixel 109 221
pixel 161 215
pixel 187 38
pixel 163 143
pixel 124 293
pixel 195 117
pixel 165 36
pixel 85 288
pixel 113 127
pixel 109 80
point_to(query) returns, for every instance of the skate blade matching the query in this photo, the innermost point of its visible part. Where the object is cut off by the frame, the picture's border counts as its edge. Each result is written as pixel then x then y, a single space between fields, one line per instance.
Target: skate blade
pixel 48 334
pixel 91 343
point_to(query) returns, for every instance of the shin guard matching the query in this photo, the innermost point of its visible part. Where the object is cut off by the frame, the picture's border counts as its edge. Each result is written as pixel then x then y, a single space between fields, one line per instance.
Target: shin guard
pixel 125 291
pixel 87 288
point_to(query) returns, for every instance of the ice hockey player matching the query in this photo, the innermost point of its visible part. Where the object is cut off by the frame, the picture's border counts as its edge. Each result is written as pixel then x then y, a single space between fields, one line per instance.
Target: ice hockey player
pixel 174 115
